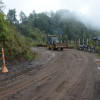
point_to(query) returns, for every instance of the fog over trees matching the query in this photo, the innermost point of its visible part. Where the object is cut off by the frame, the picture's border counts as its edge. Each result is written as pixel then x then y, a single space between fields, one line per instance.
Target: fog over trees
pixel 63 23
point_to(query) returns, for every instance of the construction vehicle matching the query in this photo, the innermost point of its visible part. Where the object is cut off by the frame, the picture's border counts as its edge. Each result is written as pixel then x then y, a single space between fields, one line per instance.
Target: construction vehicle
pixel 54 44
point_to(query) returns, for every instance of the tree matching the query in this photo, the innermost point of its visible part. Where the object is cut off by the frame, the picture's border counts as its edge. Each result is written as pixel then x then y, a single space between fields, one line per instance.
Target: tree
pixel 65 38
pixel 63 23
pixel 1 5
pixel 23 17
pixel 33 36
pixel 12 16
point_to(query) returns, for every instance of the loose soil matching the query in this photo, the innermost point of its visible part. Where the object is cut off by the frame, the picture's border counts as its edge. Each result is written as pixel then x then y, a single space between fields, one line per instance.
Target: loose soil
pixel 56 75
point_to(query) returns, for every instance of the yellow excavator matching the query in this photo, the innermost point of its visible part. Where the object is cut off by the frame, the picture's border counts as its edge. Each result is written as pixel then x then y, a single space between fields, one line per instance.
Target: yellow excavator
pixel 54 44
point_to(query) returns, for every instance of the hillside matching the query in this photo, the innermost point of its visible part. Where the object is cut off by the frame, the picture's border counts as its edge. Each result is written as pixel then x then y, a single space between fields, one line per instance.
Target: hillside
pixel 63 23
pixel 15 45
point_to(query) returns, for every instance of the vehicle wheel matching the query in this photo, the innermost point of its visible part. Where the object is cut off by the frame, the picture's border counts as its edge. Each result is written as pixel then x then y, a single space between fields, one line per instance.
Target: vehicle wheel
pixel 53 48
pixel 61 48
pixel 49 48
pixel 56 48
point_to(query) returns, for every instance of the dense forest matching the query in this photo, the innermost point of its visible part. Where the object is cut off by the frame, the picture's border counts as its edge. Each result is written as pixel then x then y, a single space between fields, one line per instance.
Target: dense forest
pixel 17 35
pixel 63 23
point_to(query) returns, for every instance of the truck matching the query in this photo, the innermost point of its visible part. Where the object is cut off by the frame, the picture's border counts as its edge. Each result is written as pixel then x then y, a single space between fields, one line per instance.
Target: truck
pixel 54 44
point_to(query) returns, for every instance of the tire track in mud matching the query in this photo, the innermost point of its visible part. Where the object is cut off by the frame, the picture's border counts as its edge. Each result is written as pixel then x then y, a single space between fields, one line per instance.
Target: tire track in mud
pixel 71 78
pixel 81 90
pixel 70 75
pixel 11 83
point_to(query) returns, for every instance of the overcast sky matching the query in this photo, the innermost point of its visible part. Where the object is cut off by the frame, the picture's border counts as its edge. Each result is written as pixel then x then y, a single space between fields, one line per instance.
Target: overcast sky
pixel 89 9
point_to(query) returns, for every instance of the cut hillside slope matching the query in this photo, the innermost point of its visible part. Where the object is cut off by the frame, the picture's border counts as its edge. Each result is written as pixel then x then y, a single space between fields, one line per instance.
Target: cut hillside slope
pixel 15 45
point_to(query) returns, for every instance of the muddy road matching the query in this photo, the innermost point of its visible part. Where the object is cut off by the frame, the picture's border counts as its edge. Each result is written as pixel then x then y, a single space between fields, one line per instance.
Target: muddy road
pixel 67 75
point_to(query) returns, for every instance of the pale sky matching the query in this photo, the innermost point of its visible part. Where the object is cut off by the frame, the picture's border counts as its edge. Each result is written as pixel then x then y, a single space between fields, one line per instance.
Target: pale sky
pixel 28 6
pixel 87 9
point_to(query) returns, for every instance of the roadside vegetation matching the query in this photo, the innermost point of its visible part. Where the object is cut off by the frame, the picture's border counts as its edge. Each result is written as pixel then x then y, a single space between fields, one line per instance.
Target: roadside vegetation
pixel 15 45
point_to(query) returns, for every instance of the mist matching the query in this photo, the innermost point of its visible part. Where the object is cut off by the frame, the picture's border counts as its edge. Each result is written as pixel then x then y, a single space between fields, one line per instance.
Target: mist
pixel 87 11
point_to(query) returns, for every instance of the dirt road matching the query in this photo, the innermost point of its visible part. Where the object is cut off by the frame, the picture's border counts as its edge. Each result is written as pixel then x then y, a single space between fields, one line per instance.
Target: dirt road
pixel 68 75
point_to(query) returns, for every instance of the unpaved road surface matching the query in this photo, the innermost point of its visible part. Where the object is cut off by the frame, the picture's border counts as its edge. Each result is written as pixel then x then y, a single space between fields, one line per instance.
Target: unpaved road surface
pixel 67 75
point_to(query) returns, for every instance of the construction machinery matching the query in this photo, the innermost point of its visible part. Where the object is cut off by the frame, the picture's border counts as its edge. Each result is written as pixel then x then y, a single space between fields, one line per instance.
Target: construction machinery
pixel 54 44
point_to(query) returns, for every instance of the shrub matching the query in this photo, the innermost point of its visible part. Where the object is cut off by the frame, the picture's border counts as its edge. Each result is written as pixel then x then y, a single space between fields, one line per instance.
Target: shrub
pixel 15 45
pixel 98 50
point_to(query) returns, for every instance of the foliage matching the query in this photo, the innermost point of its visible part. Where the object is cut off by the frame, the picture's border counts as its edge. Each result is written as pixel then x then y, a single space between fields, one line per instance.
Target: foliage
pixel 23 17
pixel 1 6
pixel 15 45
pixel 62 23
pixel 91 42
pixel 12 16
pixel 98 49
